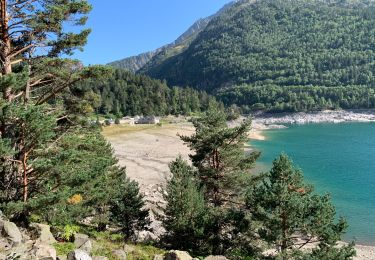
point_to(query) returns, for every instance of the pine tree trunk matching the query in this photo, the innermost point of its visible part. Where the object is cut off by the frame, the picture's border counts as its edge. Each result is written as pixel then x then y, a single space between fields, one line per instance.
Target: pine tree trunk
pixel 25 178
pixel 6 48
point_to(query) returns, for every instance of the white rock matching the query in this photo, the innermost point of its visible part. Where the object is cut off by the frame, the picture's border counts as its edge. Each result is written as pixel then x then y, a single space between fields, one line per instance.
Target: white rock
pixel 78 254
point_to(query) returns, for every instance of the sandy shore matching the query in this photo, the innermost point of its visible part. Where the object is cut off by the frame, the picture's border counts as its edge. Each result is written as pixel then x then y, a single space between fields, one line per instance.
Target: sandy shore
pixel 146 152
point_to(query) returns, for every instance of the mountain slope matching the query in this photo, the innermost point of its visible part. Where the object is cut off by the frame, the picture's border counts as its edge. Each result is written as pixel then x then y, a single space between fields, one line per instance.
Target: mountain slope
pixel 284 43
pixel 159 55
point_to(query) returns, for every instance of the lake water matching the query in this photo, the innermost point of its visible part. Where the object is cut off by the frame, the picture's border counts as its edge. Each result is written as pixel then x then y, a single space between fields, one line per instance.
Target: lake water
pixel 335 158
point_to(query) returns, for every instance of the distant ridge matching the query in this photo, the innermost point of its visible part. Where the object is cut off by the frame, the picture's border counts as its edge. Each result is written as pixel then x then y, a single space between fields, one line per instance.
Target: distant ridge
pixel 135 63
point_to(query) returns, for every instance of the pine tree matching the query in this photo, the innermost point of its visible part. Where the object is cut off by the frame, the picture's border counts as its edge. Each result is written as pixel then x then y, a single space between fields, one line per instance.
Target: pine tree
pixel 292 217
pixel 222 169
pixel 53 164
pixel 219 156
pixel 127 208
pixel 186 213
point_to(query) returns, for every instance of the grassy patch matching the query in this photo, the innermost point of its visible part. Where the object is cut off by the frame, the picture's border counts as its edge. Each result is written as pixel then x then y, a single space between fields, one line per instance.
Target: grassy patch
pixel 144 252
pixel 123 129
pixel 64 248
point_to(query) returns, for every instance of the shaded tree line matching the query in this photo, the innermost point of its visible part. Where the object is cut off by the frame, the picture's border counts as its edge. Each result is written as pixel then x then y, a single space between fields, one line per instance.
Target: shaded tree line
pixel 124 93
pixel 273 98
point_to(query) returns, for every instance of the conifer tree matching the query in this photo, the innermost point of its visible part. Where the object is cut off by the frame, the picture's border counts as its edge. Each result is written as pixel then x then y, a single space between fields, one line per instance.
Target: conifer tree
pixel 127 208
pixel 53 164
pixel 219 156
pixel 186 213
pixel 222 168
pixel 292 217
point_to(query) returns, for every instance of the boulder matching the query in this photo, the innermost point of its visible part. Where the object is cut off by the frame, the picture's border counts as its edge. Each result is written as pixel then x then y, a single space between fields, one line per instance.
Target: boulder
pixel 4 245
pixel 216 257
pixel 119 254
pixel 158 257
pixel 62 257
pixel 82 241
pixel 19 252
pixel 177 255
pixel 44 251
pixel 145 237
pixel 78 254
pixel 42 234
pixel 87 246
pixel 11 232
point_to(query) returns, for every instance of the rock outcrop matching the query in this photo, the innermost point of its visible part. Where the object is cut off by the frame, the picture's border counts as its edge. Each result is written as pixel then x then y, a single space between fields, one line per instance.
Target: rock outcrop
pixel 177 255
pixel 11 232
pixel 79 254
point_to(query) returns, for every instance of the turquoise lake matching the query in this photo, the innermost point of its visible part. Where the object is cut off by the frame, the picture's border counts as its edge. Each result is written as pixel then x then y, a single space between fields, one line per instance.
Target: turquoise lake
pixel 336 158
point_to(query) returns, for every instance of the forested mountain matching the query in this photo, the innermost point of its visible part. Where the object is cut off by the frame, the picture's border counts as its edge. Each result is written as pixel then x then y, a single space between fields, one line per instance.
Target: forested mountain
pixel 280 43
pixel 124 93
pixel 159 55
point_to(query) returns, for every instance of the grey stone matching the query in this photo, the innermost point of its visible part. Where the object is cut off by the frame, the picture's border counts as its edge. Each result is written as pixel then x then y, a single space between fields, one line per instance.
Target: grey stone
pixel 44 251
pixel 42 234
pixel 18 252
pixel 216 257
pixel 145 236
pixel 4 244
pixel 119 254
pixel 62 257
pixel 177 255
pixel 158 257
pixel 78 254
pixel 11 232
pixel 80 239
pixel 87 246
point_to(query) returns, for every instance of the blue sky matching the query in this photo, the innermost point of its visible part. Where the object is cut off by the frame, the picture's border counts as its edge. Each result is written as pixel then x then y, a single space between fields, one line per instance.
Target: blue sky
pixel 123 28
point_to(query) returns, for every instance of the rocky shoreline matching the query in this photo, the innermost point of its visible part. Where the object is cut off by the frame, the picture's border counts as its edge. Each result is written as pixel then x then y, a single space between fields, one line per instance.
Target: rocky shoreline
pixel 327 116
pixel 263 121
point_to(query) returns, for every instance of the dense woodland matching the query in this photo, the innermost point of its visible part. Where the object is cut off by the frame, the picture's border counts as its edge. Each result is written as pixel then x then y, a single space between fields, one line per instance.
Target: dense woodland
pixel 124 93
pixel 274 98
pixel 282 44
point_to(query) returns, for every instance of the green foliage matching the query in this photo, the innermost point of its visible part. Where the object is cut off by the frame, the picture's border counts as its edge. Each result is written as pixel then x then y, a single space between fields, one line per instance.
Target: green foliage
pixel 186 214
pixel 69 231
pixel 272 98
pixel 128 94
pixel 287 208
pixel 127 208
pixel 219 156
pixel 271 45
pixel 204 201
pixel 63 248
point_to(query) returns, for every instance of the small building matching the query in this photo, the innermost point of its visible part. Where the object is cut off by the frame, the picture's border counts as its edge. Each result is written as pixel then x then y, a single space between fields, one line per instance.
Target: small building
pixel 128 120
pixel 148 120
